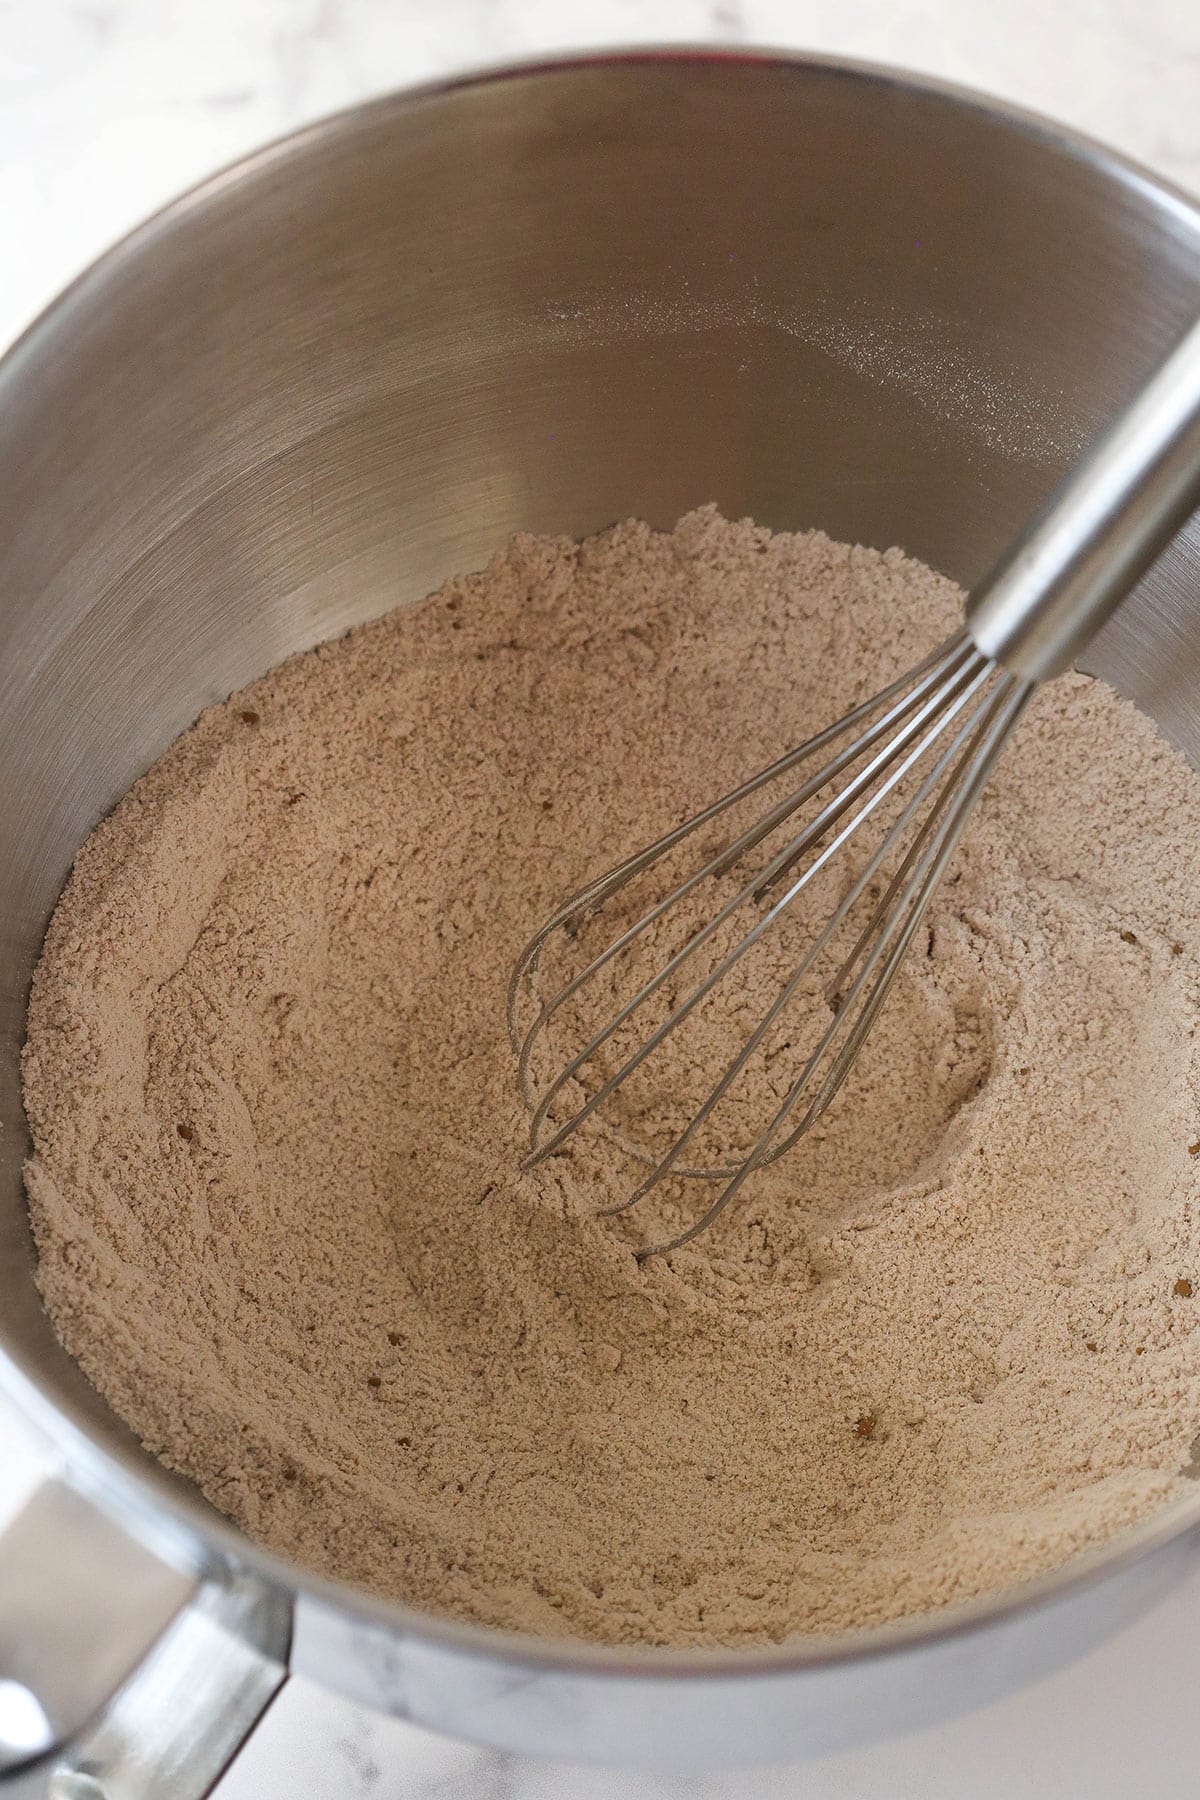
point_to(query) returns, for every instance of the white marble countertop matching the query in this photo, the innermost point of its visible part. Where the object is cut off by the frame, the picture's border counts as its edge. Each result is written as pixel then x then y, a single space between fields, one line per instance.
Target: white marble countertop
pixel 107 108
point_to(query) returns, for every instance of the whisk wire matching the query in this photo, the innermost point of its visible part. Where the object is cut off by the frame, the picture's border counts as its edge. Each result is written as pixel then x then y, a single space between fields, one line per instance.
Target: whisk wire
pixel 823 939
pixel 976 764
pixel 956 708
pixel 931 669
pixel 1004 708
pixel 942 705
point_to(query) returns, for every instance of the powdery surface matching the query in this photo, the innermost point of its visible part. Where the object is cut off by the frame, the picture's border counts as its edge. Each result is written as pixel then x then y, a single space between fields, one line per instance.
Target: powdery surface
pixel 947 1343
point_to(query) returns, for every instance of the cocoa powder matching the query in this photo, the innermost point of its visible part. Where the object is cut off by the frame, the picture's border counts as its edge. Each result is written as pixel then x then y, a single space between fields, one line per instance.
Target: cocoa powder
pixel 948 1343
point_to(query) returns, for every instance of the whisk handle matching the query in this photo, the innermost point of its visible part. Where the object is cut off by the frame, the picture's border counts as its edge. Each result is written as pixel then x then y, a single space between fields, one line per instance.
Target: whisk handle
pixel 1100 531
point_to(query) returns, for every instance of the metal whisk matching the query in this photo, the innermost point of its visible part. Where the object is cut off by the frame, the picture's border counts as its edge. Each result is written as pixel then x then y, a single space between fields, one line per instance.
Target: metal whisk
pixel 927 745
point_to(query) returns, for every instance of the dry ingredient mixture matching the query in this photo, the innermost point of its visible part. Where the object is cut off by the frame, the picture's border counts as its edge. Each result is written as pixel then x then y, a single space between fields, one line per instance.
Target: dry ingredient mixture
pixel 948 1342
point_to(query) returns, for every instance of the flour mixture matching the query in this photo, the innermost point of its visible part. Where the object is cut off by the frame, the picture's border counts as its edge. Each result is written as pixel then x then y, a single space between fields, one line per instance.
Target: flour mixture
pixel 949 1342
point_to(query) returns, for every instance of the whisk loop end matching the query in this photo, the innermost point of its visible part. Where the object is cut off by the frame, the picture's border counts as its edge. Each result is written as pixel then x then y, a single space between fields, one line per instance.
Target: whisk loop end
pixel 924 746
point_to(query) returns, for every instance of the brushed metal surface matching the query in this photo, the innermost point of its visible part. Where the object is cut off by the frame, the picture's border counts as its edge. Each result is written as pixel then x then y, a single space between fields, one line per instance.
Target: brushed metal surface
pixel 81 1603
pixel 815 293
pixel 188 1709
pixel 1100 532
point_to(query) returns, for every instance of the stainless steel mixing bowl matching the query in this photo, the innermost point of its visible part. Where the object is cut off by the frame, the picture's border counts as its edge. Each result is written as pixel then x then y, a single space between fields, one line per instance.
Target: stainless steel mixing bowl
pixel 547 298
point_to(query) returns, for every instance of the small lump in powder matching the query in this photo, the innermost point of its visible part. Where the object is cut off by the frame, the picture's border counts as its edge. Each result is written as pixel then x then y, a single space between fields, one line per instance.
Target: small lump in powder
pixel 947 1343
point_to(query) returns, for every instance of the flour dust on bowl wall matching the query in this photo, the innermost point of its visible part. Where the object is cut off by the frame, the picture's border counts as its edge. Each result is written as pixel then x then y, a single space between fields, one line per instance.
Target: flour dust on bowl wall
pixel 280 1222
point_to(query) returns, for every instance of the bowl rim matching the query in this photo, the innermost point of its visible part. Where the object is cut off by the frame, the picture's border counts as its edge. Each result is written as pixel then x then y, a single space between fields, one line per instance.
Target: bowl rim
pixel 158 1507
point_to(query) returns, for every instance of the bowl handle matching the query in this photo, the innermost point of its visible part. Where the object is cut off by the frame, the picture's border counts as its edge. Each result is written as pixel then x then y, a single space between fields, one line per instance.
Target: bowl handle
pixel 120 1675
